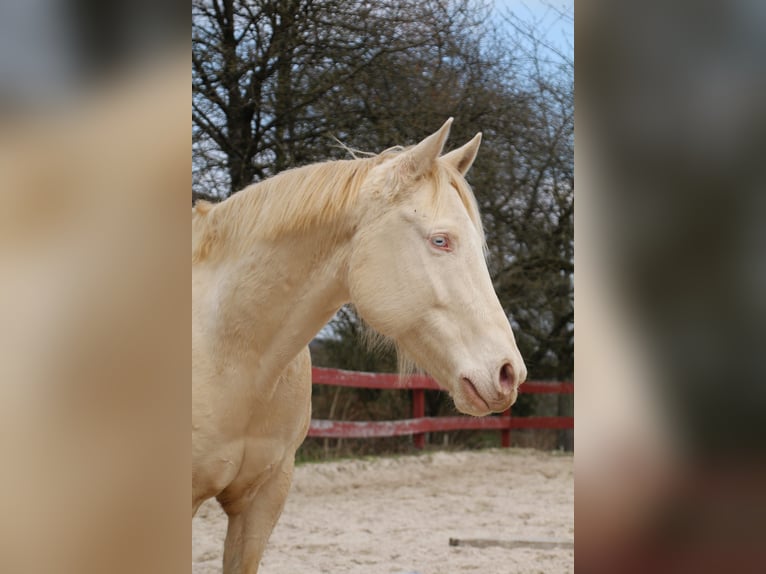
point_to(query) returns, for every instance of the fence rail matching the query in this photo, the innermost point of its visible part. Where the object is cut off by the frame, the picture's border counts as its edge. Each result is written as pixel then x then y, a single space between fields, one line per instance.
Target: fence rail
pixel 420 424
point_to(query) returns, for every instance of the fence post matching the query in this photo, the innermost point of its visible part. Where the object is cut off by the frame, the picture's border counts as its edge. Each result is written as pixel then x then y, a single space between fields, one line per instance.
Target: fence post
pixel 505 434
pixel 418 411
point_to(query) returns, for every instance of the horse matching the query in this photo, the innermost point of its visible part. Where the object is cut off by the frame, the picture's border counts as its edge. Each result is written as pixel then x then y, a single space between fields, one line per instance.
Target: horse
pixel 398 235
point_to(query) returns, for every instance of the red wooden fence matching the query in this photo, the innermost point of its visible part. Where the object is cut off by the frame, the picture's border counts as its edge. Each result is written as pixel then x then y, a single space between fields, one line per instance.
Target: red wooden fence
pixel 419 424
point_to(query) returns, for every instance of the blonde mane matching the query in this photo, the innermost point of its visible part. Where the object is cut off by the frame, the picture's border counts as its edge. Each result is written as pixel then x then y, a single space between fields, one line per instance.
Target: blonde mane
pixel 301 199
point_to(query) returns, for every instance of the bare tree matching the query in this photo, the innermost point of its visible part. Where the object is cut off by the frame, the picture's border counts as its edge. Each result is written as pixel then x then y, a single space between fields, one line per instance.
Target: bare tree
pixel 274 81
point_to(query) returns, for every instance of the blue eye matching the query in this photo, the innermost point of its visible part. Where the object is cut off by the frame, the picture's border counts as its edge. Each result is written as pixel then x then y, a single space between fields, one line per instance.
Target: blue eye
pixel 440 241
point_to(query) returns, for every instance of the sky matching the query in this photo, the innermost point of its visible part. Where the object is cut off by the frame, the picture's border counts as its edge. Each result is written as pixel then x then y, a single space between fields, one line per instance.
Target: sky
pixel 557 32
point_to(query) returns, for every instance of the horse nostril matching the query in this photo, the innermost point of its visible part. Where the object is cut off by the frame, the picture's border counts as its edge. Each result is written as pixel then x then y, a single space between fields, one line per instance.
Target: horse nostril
pixel 506 379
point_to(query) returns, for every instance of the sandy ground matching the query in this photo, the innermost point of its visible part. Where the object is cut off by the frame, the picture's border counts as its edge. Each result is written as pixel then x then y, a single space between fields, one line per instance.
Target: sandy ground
pixel 396 516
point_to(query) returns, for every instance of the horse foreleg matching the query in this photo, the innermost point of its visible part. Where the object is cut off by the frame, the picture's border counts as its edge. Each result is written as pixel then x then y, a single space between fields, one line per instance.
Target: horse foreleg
pixel 251 522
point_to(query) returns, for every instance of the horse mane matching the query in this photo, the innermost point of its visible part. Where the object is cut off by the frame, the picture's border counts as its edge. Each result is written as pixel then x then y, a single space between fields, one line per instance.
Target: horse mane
pixel 301 199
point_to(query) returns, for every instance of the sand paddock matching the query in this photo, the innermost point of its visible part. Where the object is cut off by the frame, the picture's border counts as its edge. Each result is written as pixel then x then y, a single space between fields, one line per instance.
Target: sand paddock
pixel 396 516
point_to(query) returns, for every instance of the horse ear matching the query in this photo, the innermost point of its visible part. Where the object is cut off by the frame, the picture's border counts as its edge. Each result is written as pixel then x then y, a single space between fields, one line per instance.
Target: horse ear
pixel 421 158
pixel 462 158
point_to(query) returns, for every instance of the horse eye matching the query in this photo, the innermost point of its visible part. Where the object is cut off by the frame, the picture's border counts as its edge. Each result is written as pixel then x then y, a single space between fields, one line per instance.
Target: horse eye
pixel 440 241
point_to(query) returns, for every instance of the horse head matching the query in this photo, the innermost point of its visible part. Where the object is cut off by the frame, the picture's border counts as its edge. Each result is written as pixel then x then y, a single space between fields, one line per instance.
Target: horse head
pixel 418 274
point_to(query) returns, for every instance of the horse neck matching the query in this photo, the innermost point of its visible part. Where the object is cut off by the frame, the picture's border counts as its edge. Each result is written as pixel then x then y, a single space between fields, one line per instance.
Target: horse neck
pixel 273 300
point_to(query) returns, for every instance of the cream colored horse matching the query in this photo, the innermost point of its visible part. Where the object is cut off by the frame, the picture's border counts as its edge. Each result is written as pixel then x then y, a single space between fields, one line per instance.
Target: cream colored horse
pixel 399 236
